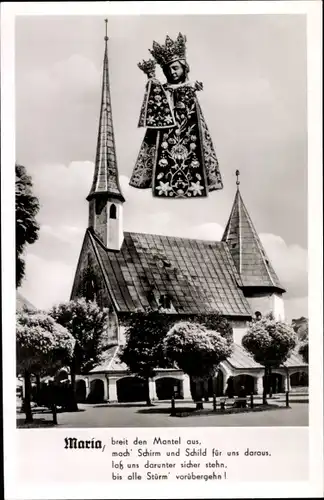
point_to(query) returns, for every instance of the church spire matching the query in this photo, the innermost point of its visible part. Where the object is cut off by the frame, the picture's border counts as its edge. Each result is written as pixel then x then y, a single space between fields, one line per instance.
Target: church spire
pixel 105 179
pixel 105 198
pixel 246 248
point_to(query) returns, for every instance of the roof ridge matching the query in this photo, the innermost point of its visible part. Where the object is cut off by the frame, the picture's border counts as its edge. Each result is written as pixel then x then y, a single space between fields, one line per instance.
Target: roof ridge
pixel 113 357
pixel 258 241
pixel 176 237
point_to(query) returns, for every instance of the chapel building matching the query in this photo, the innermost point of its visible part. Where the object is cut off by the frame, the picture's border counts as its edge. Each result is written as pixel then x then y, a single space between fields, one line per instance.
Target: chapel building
pixel 128 272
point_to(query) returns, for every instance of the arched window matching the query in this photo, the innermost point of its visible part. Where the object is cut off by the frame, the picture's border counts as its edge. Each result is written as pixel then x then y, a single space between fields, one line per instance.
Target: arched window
pixel 258 315
pixel 113 212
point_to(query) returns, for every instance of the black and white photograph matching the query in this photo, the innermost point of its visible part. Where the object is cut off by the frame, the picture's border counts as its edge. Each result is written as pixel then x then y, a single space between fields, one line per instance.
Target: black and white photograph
pixel 163 322
pixel 161 166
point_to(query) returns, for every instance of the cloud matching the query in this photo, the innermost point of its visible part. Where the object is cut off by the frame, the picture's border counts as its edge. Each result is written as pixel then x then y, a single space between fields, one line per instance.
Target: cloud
pixel 290 263
pixel 47 282
pixel 67 80
pixel 64 233
pixel 52 261
pixel 52 101
pixel 49 279
pixel 70 72
pixel 209 231
pixel 62 182
pixel 295 308
pixel 254 102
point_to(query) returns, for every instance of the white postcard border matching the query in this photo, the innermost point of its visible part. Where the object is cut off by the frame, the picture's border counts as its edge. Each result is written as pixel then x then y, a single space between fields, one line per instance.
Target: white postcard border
pixel 314 34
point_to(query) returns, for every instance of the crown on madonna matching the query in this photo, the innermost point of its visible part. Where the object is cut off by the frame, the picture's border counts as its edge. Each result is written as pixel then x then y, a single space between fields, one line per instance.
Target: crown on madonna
pixel 171 51
pixel 147 66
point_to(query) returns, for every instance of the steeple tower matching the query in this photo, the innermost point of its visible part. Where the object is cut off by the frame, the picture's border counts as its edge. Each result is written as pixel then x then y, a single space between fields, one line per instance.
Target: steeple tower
pixel 257 274
pixel 105 197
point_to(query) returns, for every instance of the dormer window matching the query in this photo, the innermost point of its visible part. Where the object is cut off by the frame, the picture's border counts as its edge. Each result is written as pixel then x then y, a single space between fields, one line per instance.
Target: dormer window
pixel 165 301
pixel 113 212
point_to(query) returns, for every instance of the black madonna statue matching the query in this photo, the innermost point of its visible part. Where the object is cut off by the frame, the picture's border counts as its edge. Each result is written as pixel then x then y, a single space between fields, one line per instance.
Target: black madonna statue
pixel 177 158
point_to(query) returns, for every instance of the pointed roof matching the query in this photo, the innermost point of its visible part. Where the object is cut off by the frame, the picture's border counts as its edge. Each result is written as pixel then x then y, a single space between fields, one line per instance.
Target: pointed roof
pixel 250 258
pixel 105 179
pixel 22 303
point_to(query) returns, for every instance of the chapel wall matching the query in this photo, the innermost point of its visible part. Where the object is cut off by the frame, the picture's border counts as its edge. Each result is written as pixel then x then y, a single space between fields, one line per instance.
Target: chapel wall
pixel 262 303
pixel 239 330
pixel 268 303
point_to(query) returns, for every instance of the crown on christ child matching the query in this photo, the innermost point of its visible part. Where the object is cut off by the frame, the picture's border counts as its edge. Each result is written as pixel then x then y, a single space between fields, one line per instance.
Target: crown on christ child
pixel 147 66
pixel 169 52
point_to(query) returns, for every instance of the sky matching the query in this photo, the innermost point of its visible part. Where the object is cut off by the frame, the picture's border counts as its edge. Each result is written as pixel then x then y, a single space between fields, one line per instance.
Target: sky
pixel 255 104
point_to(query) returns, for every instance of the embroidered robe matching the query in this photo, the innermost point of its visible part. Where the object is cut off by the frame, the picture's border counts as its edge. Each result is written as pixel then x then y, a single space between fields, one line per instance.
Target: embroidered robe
pixel 177 157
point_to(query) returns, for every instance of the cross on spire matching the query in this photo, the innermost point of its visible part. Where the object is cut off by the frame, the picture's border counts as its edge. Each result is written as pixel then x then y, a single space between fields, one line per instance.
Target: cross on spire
pixel 237 173
pixel 106 30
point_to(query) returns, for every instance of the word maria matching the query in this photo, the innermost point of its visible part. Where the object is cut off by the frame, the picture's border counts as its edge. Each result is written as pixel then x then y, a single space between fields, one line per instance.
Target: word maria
pixel 82 444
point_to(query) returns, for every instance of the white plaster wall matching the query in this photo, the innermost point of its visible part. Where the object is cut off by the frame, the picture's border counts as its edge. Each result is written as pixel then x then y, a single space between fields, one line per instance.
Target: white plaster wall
pixel 115 233
pixel 121 335
pixel 263 303
pixel 268 303
pixel 113 327
pixel 238 333
pixel 278 307
pixel 239 330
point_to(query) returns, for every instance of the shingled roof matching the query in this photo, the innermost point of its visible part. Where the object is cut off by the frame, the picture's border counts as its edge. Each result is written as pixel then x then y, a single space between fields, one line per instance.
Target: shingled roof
pixel 110 361
pixel 197 276
pixel 248 254
pixel 105 179
pixel 240 359
pixel 22 303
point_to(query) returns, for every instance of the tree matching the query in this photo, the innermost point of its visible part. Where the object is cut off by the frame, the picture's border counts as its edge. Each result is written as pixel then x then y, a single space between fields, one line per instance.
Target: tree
pixel 196 350
pixel 42 346
pixel 27 207
pixel 300 327
pixel 88 324
pixel 270 342
pixel 143 352
pixel 216 323
pixel 303 350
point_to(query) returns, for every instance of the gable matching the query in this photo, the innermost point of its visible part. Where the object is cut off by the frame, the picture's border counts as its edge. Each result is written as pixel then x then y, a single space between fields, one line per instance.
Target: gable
pixel 90 283
pixel 89 280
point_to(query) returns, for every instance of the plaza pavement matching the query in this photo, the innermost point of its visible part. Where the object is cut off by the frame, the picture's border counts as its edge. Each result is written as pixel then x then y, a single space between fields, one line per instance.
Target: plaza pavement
pixel 139 415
